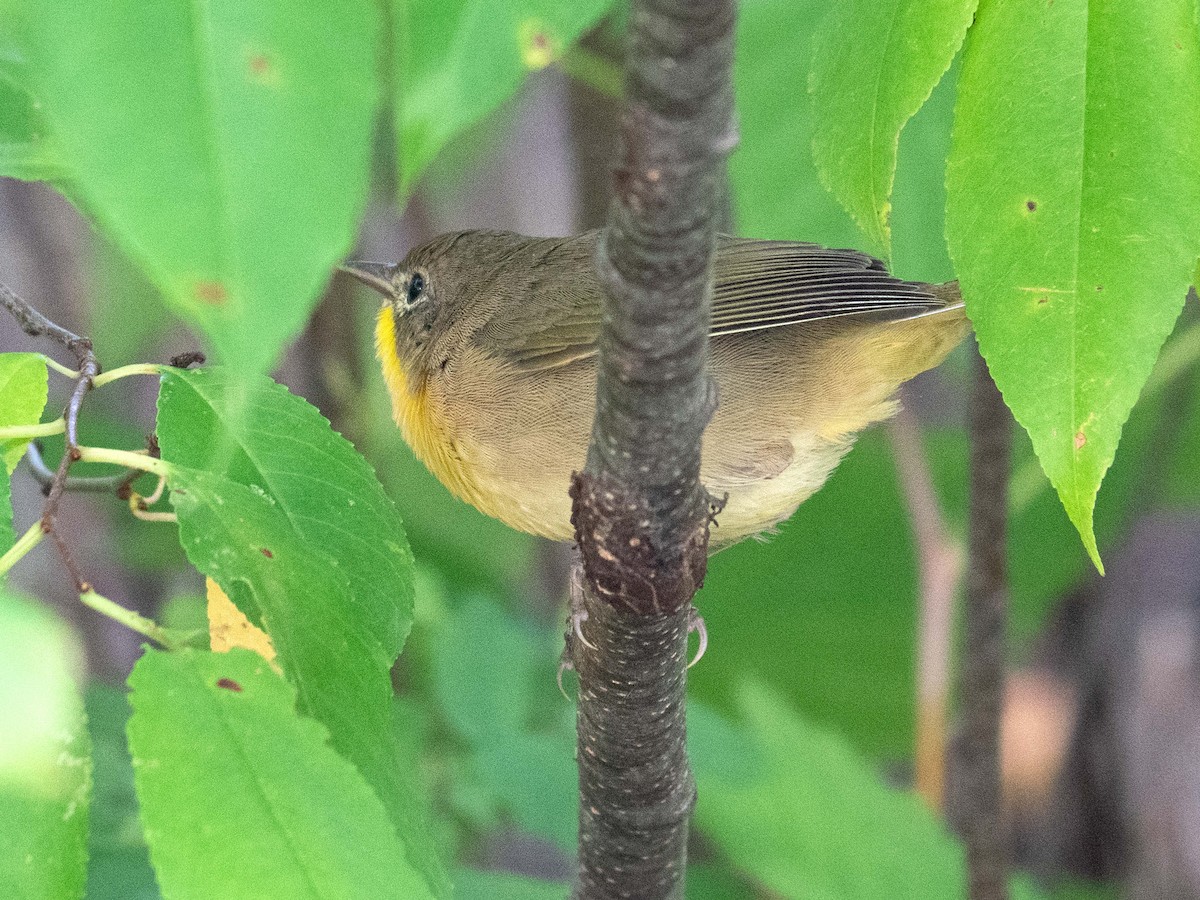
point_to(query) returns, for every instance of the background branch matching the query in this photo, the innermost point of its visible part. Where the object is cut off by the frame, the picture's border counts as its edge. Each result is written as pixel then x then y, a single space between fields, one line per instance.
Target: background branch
pixel 939 573
pixel 976 765
pixel 641 515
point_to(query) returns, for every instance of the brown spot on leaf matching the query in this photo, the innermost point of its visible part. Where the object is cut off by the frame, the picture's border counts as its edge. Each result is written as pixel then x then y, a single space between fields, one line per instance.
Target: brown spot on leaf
pixel 211 292
pixel 1099 288
pixel 1080 440
pixel 229 684
pixel 1031 205
pixel 539 47
pixel 265 552
pixel 1043 299
pixel 262 68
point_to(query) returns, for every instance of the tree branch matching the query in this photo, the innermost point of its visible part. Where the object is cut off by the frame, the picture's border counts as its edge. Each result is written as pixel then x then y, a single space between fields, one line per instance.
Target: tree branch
pixel 977 764
pixel 35 324
pixel 641 515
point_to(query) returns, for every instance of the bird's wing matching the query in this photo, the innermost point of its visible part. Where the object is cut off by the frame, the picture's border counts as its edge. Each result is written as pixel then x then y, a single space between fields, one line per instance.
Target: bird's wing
pixel 757 285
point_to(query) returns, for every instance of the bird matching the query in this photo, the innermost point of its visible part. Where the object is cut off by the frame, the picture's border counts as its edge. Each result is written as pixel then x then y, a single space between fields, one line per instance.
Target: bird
pixel 488 345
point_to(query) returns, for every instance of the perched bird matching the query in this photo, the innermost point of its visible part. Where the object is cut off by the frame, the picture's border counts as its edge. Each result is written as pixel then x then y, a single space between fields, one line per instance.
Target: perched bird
pixel 488 345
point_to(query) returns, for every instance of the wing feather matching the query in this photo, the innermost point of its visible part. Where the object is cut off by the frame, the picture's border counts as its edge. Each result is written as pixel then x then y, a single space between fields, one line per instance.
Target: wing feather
pixel 757 285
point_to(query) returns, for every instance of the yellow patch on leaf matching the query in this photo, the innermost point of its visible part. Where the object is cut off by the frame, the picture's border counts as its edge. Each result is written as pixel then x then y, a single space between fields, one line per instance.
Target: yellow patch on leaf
pixel 229 628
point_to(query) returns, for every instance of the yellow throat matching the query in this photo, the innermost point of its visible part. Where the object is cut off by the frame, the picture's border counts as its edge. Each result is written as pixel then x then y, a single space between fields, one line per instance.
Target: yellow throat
pixel 417 421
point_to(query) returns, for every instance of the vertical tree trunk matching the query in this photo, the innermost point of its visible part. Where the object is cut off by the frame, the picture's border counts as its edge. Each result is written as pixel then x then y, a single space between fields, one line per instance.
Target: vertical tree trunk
pixel 641 515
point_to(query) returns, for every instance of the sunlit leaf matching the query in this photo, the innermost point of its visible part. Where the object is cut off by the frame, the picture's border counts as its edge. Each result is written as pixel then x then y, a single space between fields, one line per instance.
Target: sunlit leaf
pixel 243 797
pixel 1074 214
pixel 23 385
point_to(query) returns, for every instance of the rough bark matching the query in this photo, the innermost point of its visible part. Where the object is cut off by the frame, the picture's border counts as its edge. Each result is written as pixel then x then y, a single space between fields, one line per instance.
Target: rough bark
pixel 641 514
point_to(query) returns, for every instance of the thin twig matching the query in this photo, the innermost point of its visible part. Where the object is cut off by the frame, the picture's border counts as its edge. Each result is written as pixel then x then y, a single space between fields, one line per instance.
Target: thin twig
pixel 976 767
pixel 35 324
pixel 940 558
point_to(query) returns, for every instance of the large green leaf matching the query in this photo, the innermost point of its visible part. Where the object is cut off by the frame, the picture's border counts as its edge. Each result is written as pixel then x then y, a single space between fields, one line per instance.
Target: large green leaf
pixel 874 65
pixel 292 524
pixel 457 60
pixel 45 757
pixel 816 821
pixel 252 431
pixel 243 797
pixel 1073 215
pixel 23 385
pixel 225 145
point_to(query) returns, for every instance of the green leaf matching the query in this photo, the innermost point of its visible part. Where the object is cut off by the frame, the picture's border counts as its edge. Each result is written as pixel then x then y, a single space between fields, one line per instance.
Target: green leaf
pixel 242 797
pixel 45 757
pixel 292 524
pixel 118 862
pixel 8 537
pixel 775 185
pixel 253 432
pixel 918 216
pixel 874 65
pixel 243 539
pixel 1073 215
pixel 23 385
pixel 26 150
pixel 495 683
pixel 818 822
pixel 224 145
pixel 457 60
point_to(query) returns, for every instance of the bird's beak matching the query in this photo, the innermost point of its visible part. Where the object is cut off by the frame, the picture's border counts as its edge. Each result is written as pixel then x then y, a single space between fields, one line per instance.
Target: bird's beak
pixel 372 274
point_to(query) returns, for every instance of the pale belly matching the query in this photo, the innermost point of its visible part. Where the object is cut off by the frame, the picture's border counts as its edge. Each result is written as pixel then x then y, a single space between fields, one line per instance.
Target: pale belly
pixel 538 502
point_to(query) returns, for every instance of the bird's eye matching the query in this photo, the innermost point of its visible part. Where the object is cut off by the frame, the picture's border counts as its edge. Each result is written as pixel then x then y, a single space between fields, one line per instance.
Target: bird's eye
pixel 416 285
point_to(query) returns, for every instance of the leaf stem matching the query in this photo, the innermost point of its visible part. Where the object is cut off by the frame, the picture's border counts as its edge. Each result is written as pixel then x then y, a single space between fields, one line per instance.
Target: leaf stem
pixel 597 71
pixel 26 542
pixel 130 619
pixel 125 371
pixel 29 432
pixel 130 459
pixel 59 367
